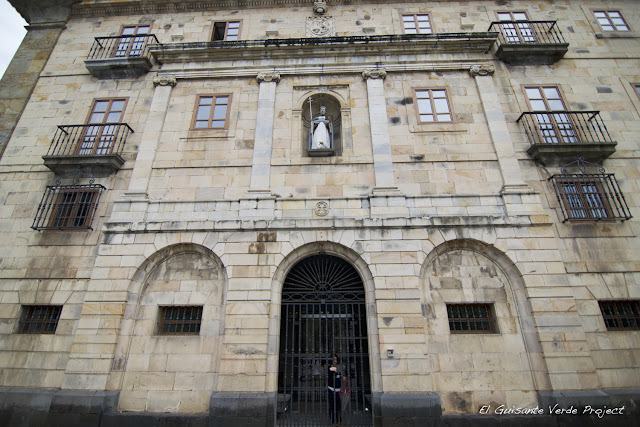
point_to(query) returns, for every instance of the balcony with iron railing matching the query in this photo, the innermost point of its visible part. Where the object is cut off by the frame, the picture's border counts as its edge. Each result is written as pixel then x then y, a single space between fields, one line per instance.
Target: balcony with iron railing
pixel 529 42
pixel 95 147
pixel 120 56
pixel 559 136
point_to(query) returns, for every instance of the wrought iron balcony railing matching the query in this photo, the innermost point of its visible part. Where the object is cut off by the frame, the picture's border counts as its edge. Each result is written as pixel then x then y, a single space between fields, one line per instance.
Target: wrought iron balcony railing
pixel 589 197
pixel 566 134
pixel 89 140
pixel 529 42
pixel 565 127
pixel 68 207
pixel 96 147
pixel 121 47
pixel 527 32
pixel 120 56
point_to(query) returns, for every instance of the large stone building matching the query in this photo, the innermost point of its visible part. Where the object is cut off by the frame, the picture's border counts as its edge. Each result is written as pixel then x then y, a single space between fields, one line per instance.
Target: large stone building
pixel 188 234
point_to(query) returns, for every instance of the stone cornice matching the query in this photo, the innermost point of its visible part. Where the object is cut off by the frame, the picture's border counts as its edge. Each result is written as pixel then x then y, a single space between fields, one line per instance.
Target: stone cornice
pixel 331 69
pixel 325 47
pixel 440 222
pixel 130 7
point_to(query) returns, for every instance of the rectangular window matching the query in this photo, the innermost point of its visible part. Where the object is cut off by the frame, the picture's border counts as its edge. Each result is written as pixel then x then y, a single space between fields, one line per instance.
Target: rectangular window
pixel 553 128
pixel 105 114
pixel 226 31
pixel 433 105
pixel 416 24
pixel 520 32
pixel 471 318
pixel 131 46
pixel 621 315
pixel 583 198
pixel 212 112
pixel 74 208
pixel 39 319
pixel 180 320
pixel 611 20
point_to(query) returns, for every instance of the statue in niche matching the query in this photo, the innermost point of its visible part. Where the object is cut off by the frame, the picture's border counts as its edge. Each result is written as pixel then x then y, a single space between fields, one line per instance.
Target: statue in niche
pixel 321 130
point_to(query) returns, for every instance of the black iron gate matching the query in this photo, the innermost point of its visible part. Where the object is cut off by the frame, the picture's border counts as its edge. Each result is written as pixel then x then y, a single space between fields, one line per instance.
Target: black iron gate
pixel 323 313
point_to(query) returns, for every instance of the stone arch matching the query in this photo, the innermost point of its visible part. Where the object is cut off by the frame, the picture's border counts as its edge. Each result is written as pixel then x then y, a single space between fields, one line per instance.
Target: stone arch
pixel 471 271
pixel 160 373
pixel 298 254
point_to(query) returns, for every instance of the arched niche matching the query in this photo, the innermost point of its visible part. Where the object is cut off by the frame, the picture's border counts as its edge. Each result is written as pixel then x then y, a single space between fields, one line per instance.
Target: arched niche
pixel 505 367
pixel 310 111
pixel 186 366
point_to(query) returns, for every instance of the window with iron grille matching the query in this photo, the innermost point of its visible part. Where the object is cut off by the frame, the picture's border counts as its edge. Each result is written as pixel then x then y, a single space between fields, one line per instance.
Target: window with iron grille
pixel 471 319
pixel 180 320
pixel 590 197
pixel 226 30
pixel 621 315
pixel 39 319
pixel 611 20
pixel 417 24
pixel 68 207
pixel 584 198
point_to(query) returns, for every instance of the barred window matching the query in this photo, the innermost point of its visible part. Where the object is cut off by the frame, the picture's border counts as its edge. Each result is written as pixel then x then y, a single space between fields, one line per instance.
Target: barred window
pixel 416 24
pixel 180 320
pixel 39 319
pixel 584 199
pixel 433 105
pixel 611 20
pixel 471 318
pixel 73 209
pixel 226 30
pixel 212 112
pixel 621 315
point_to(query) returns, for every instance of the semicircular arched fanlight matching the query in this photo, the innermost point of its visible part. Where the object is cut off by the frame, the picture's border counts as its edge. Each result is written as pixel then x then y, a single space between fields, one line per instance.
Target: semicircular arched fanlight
pixel 323 278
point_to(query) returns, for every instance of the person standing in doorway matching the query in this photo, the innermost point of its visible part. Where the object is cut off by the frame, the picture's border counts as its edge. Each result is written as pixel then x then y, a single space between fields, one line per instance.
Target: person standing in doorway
pixel 335 384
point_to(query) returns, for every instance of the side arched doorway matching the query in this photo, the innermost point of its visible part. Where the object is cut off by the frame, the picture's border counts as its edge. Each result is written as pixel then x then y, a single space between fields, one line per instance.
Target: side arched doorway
pixel 323 312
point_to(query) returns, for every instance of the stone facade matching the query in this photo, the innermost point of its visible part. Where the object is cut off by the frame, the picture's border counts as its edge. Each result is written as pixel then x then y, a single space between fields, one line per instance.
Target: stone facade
pixel 429 214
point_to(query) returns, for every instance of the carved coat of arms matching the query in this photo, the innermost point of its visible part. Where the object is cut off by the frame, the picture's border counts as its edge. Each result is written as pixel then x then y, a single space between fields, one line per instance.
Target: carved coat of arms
pixel 319 26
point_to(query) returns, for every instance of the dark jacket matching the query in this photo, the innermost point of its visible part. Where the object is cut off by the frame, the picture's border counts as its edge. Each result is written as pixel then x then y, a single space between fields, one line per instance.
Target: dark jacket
pixel 335 378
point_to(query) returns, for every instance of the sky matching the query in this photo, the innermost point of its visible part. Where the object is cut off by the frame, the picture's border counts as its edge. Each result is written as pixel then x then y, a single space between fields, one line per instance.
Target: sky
pixel 12 32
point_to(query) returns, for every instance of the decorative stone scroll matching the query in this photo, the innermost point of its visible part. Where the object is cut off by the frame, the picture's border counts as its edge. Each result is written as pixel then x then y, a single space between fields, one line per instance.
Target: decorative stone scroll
pixel 320 26
pixel 482 70
pixel 165 81
pixel 379 73
pixel 273 76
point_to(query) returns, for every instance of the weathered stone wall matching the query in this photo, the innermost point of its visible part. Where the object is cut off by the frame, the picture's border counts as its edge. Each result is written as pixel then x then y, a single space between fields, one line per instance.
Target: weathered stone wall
pixel 469 217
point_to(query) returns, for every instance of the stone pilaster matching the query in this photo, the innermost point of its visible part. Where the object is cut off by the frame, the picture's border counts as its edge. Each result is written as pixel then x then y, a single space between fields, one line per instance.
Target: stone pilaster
pixel 141 173
pixel 382 163
pixel 513 186
pixel 261 166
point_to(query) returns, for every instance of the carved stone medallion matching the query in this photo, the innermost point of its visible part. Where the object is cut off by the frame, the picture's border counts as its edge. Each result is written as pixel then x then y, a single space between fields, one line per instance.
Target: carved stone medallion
pixel 320 26
pixel 321 209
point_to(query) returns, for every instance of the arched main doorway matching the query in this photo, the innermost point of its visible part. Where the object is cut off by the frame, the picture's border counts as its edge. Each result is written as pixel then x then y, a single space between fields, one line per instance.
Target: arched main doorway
pixel 323 312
